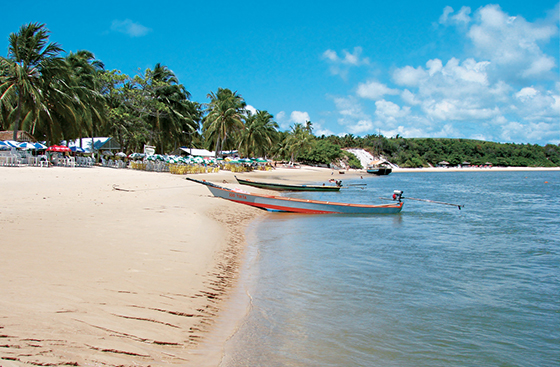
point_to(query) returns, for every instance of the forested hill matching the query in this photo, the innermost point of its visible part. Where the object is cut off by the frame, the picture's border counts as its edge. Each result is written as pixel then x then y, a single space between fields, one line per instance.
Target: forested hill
pixel 422 152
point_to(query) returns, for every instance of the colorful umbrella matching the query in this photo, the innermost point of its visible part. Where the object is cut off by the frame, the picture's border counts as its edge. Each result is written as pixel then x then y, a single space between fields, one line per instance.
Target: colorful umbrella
pixel 11 143
pixel 26 145
pixel 58 148
pixel 40 146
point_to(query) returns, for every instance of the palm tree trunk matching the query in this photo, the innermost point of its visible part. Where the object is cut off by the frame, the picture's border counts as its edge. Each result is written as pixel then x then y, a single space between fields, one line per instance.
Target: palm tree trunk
pixel 18 117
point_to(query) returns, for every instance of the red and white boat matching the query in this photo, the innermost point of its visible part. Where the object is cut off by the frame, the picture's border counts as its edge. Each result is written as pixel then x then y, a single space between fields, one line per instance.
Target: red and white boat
pixel 283 204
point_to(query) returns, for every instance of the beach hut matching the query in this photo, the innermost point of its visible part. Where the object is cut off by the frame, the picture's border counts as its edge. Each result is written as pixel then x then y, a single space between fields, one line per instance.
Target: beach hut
pixel 22 136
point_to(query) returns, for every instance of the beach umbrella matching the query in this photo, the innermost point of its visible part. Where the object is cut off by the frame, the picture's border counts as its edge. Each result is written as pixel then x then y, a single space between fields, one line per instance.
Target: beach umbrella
pixel 198 159
pixel 58 148
pixel 4 146
pixel 121 154
pixel 108 153
pixel 40 146
pixel 11 143
pixel 137 156
pixel 26 145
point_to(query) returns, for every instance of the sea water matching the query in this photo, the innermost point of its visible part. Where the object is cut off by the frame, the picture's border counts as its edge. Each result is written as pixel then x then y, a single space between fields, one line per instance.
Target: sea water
pixel 432 286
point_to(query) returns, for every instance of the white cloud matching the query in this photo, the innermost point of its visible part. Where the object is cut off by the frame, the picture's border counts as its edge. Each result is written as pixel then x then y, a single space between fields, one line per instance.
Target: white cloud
pixel 130 28
pixel 349 108
pixel 374 90
pixel 409 76
pixel 361 127
pixel 299 117
pixel 506 88
pixel 462 17
pixel 434 66
pixel 341 65
pixel 526 93
pixel 409 97
pixel 390 112
pixel 512 43
pixel 251 109
pixel 444 18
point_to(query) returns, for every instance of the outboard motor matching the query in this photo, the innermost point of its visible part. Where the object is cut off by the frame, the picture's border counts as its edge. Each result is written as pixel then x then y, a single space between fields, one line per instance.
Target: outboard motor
pixel 397 195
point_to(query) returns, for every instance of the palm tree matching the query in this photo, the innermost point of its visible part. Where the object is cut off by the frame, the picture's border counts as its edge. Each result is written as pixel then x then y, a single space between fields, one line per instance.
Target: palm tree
pixel 298 140
pixel 86 85
pixel 171 112
pixel 225 116
pixel 29 56
pixel 258 135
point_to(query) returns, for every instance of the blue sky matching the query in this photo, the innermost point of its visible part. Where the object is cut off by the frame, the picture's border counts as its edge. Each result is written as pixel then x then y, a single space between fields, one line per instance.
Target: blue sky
pixel 457 69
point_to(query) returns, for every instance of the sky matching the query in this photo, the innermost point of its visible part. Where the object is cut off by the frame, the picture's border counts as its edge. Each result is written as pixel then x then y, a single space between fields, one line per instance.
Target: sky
pixel 439 69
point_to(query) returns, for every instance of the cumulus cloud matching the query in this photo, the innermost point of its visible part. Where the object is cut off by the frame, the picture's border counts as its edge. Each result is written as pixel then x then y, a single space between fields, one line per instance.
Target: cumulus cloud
pixel 299 117
pixel 361 127
pixel 505 88
pixel 374 90
pixel 390 112
pixel 130 28
pixel 409 76
pixel 296 117
pixel 511 43
pixel 409 97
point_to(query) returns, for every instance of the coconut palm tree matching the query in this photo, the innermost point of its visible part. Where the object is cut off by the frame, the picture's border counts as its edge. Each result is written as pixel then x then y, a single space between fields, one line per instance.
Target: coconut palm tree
pixel 29 57
pixel 298 139
pixel 258 135
pixel 86 86
pixel 225 114
pixel 171 113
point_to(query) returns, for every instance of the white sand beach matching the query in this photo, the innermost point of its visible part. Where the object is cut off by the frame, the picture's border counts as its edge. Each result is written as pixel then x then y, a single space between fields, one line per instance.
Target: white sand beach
pixel 95 275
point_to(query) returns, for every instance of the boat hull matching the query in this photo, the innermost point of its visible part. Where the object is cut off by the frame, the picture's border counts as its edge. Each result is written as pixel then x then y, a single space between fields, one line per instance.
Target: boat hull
pixel 286 187
pixel 380 171
pixel 282 204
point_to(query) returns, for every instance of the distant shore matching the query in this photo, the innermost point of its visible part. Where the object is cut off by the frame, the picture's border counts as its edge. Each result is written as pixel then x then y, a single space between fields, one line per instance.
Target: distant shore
pixel 475 169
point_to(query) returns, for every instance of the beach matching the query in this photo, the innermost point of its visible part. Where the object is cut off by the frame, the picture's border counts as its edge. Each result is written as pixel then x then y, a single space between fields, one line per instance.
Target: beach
pixel 113 267
pixel 106 266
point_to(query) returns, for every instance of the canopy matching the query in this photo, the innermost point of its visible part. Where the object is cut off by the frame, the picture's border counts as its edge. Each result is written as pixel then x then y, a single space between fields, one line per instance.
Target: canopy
pixel 26 145
pixel 78 149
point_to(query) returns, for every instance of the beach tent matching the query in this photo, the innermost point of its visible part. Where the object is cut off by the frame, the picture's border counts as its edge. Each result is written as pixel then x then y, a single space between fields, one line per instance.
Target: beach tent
pixel 197 152
pixel 99 143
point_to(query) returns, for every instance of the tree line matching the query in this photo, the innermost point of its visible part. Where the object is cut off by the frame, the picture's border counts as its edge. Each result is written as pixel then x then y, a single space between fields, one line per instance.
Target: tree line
pixel 57 96
pixel 424 152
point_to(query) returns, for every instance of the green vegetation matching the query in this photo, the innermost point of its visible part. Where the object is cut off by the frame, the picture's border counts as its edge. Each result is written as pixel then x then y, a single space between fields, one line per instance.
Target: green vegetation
pixel 56 98
pixel 423 152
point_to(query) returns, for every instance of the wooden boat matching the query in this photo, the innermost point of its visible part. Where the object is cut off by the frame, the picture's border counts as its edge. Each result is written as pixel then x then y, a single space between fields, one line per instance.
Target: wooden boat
pixel 283 204
pixel 380 170
pixel 289 187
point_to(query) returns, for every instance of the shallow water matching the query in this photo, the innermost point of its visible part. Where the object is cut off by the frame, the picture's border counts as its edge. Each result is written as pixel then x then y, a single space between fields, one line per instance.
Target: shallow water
pixel 432 286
